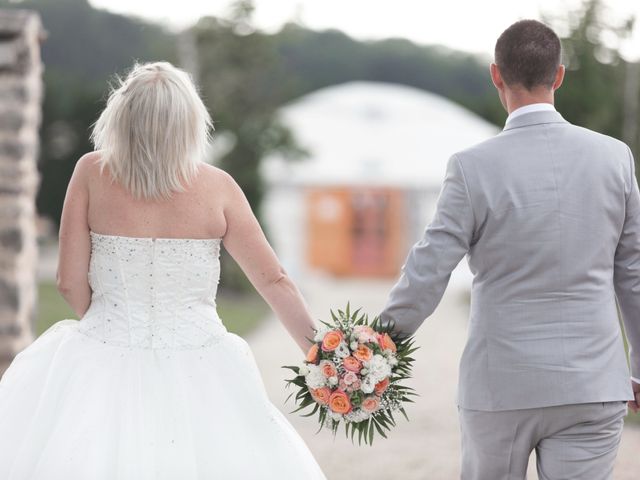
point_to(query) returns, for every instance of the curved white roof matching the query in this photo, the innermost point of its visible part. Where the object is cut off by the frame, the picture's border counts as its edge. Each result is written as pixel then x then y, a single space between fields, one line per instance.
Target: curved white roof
pixel 375 133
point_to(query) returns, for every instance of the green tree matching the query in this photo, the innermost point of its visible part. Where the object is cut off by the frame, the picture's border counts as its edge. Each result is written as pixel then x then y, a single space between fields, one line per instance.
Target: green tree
pixel 592 94
pixel 241 82
pixel 315 59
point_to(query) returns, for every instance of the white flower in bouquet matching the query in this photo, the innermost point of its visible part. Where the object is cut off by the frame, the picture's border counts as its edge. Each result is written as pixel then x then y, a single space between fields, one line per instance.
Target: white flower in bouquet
pixel 342 350
pixel 334 416
pixel 354 345
pixel 368 384
pixel 378 368
pixel 304 370
pixel 333 381
pixel 358 415
pixel 315 378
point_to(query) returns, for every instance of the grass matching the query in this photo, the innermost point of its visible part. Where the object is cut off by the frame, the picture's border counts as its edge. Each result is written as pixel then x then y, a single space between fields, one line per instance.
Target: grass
pixel 240 313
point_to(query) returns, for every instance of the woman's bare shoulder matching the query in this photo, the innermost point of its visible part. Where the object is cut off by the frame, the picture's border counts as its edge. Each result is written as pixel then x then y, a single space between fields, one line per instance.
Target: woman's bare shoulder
pixel 89 159
pixel 85 167
pixel 215 172
pixel 219 177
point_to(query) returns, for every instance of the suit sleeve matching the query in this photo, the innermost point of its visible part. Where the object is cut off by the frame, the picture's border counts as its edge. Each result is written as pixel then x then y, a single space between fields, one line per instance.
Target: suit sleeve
pixel 427 269
pixel 627 271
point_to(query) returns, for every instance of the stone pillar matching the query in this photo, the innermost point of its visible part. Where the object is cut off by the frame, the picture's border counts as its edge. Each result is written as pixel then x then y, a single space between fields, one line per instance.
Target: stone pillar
pixel 20 114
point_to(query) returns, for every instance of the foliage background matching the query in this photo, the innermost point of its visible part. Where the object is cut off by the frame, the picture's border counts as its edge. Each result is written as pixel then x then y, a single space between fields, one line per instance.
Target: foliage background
pixel 245 75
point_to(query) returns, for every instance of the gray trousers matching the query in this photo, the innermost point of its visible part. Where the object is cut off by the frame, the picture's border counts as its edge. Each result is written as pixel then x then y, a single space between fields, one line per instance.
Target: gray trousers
pixel 572 442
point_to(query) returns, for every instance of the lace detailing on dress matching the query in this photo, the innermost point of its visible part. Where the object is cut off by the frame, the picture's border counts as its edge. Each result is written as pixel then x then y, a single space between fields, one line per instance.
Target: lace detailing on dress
pixel 154 293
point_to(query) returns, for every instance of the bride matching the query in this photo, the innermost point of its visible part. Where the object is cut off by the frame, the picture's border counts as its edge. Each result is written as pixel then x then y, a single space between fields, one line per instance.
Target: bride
pixel 149 384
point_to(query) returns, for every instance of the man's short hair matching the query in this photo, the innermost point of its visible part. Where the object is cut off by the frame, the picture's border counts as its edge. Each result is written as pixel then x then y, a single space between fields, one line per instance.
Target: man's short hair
pixel 528 53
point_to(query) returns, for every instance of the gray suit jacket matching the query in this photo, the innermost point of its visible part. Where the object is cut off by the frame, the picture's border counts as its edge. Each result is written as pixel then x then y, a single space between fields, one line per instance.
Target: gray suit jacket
pixel 548 214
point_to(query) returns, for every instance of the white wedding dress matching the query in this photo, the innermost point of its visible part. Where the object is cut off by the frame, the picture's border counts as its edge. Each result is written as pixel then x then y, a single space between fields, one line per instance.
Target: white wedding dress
pixel 148 384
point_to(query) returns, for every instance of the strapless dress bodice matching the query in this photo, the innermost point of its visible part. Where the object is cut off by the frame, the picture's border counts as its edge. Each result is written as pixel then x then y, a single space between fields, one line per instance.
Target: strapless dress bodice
pixel 157 293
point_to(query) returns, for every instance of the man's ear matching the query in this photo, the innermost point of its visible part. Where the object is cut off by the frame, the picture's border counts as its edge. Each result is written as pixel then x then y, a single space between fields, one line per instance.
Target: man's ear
pixel 559 77
pixel 496 78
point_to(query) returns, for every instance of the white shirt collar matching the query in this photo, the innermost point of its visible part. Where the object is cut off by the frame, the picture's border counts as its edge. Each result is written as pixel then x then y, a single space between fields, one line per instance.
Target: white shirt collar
pixel 532 107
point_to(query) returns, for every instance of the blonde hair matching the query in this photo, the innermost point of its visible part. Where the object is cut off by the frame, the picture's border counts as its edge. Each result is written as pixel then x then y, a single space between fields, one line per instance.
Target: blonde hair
pixel 154 130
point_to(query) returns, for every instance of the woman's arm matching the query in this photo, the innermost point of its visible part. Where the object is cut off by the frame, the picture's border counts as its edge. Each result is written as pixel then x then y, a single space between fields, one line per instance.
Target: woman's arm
pixel 75 245
pixel 246 243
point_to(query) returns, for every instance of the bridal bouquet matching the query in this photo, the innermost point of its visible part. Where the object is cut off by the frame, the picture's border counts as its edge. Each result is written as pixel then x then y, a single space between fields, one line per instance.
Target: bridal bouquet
pixel 353 373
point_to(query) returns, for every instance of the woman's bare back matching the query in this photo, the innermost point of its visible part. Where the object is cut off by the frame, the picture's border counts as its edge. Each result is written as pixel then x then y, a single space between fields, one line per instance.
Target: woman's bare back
pixel 213 206
pixel 196 213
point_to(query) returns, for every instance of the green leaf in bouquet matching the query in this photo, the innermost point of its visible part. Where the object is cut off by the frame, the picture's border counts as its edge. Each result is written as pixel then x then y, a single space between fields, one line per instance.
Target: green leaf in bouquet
pixel 380 430
pixel 305 403
pixel 295 369
pixel 390 418
pixel 312 412
pixel 322 416
pixel 327 324
pixel 289 396
pixel 382 419
pixel 370 424
pixel 404 413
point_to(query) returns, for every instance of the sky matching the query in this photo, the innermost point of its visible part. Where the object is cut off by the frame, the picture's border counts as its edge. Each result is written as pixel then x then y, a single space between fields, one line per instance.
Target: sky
pixel 469 25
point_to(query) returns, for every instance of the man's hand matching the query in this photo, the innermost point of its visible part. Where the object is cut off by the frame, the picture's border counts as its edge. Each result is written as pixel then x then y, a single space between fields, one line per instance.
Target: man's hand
pixel 635 406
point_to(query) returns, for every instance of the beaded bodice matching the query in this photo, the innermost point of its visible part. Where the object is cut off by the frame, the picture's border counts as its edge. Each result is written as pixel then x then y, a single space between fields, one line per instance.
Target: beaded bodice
pixel 153 292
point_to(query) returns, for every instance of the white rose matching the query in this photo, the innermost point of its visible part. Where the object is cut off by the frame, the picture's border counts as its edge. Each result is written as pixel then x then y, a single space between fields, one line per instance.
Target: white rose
pixel 304 371
pixel 368 384
pixel 315 377
pixel 379 368
pixel 333 380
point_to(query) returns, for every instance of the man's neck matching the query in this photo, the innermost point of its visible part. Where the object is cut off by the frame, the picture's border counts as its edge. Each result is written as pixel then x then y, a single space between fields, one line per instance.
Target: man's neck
pixel 519 98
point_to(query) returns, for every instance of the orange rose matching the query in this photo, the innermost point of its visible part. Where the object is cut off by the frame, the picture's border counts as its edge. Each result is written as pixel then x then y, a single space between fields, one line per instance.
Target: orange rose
pixel 352 364
pixel 321 395
pixel 363 353
pixel 339 402
pixel 312 354
pixel 381 386
pixel 371 404
pixel 331 340
pixel 328 368
pixel 386 343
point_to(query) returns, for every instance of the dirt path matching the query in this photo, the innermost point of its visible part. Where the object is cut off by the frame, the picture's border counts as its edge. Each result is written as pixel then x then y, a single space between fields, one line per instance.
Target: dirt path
pixel 427 447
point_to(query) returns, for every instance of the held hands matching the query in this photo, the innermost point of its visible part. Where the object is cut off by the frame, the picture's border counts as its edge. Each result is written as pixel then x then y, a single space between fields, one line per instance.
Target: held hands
pixel 635 406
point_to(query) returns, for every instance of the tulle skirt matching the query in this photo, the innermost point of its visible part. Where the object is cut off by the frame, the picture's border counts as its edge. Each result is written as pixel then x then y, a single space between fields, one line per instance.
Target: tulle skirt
pixel 75 408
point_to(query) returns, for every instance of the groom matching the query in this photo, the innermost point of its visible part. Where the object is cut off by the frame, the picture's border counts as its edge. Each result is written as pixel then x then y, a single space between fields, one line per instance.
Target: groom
pixel 549 216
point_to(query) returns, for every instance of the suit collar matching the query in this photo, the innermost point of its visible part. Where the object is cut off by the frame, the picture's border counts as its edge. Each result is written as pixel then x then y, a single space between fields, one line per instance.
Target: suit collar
pixel 534 118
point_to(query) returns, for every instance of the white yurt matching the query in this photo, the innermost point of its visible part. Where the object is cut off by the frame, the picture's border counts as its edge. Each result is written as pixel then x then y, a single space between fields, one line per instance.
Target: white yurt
pixel 377 155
